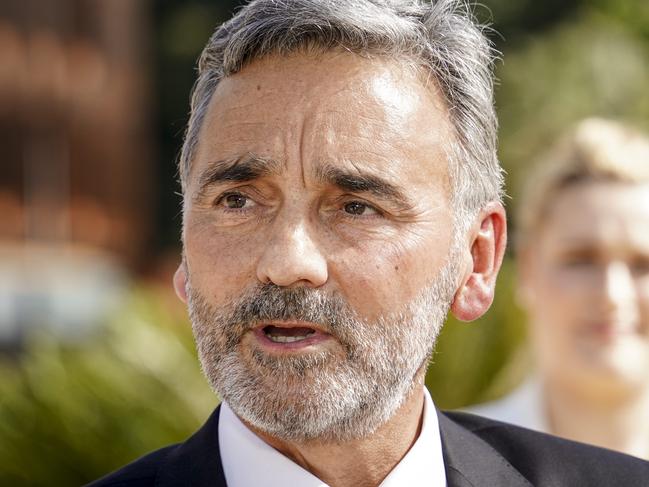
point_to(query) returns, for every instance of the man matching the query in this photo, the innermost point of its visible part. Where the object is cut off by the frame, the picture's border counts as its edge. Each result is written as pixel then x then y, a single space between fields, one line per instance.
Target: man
pixel 341 193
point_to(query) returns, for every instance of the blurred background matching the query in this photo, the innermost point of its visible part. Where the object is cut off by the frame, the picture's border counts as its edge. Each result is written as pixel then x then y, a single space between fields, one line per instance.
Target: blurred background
pixel 97 364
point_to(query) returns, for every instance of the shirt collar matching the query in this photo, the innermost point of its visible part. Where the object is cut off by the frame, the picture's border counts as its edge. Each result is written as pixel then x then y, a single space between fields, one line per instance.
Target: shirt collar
pixel 248 460
pixel 423 465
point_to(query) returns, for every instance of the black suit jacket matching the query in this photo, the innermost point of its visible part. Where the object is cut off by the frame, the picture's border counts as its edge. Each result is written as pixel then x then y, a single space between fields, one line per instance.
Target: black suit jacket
pixel 477 452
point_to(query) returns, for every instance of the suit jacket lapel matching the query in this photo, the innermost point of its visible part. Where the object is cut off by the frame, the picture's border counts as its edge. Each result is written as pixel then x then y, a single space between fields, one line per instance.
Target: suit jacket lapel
pixel 469 461
pixel 197 461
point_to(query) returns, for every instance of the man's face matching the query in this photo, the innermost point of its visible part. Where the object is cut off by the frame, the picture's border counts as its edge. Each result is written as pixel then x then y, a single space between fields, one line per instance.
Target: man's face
pixel 587 286
pixel 317 231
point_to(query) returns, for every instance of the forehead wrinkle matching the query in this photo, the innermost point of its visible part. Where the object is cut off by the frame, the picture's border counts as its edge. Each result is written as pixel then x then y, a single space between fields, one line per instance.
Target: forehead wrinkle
pixel 303 146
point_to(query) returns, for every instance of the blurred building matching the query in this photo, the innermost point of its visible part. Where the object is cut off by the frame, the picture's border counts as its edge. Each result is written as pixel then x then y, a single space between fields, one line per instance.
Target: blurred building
pixel 77 173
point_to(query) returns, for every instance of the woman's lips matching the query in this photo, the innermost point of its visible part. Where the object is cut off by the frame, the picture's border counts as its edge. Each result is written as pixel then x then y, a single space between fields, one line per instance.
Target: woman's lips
pixel 609 331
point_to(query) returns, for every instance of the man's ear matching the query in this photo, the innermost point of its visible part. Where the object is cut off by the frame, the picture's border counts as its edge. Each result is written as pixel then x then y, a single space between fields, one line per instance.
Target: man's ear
pixel 180 282
pixel 487 242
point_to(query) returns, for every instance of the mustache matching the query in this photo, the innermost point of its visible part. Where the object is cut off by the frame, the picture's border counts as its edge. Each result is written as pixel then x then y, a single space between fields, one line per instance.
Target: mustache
pixel 269 302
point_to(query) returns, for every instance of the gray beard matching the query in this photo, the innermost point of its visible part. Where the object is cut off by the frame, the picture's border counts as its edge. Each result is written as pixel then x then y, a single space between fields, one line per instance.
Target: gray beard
pixel 325 395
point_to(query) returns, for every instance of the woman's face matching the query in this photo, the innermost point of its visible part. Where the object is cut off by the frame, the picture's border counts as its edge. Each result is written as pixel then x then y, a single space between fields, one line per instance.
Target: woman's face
pixel 585 283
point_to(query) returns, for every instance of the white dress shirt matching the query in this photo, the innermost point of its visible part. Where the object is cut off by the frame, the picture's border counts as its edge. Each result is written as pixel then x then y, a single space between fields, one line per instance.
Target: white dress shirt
pixel 248 461
pixel 522 407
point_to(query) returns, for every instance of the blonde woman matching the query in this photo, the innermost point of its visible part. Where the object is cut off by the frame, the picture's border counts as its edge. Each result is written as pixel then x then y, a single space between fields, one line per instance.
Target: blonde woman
pixel 583 259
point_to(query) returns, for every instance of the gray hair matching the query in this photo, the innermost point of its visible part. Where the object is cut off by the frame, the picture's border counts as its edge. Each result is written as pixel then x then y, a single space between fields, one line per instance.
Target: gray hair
pixel 440 36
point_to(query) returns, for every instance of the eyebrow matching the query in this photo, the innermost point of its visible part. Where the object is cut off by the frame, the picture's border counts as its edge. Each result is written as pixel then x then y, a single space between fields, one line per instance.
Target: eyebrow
pixel 250 167
pixel 362 182
pixel 239 169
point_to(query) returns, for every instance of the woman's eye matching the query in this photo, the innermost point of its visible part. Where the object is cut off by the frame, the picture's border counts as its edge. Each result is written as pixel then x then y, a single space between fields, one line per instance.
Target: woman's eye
pixel 579 260
pixel 358 208
pixel 234 201
pixel 640 266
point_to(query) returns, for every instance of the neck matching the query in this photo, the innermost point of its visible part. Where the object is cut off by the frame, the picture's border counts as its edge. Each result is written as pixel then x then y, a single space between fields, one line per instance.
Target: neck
pixel 362 462
pixel 614 419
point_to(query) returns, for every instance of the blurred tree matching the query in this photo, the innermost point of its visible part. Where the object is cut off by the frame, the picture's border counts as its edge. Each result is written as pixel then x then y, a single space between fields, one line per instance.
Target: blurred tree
pixel 523 18
pixel 69 415
pixel 632 14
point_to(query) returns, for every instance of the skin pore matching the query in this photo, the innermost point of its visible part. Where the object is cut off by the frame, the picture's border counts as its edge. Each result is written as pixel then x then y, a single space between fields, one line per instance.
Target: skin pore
pixel 585 283
pixel 329 172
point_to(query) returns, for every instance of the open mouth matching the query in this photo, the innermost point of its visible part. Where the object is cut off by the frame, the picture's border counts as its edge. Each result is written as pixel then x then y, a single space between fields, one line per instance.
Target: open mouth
pixel 280 334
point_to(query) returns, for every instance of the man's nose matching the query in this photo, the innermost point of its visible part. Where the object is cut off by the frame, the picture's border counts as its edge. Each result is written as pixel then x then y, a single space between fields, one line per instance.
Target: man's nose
pixel 292 256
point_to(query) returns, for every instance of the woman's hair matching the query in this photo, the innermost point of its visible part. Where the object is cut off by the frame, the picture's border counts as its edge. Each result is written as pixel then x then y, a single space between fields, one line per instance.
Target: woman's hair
pixel 596 150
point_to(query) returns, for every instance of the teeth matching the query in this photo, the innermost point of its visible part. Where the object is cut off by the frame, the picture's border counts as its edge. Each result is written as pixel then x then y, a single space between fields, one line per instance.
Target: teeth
pixel 285 339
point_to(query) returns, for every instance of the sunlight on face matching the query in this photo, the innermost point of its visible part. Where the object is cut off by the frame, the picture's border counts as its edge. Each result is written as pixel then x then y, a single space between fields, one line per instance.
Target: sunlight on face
pixel 315 188
pixel 585 282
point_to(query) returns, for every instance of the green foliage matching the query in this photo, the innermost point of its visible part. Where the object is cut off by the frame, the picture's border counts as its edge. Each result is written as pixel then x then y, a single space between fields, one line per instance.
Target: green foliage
pixel 70 415
pixel 632 14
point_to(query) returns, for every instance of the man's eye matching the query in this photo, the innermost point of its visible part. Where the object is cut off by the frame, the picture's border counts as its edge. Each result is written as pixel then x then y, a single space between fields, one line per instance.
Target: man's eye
pixel 358 208
pixel 234 201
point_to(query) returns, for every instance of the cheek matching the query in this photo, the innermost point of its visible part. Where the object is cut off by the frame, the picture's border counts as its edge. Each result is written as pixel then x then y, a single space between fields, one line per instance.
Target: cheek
pixel 554 334
pixel 562 290
pixel 219 263
pixel 555 307
pixel 565 281
pixel 379 277
pixel 643 297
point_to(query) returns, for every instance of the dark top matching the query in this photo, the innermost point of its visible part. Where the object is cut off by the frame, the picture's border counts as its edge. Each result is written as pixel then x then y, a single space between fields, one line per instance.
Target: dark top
pixel 477 452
